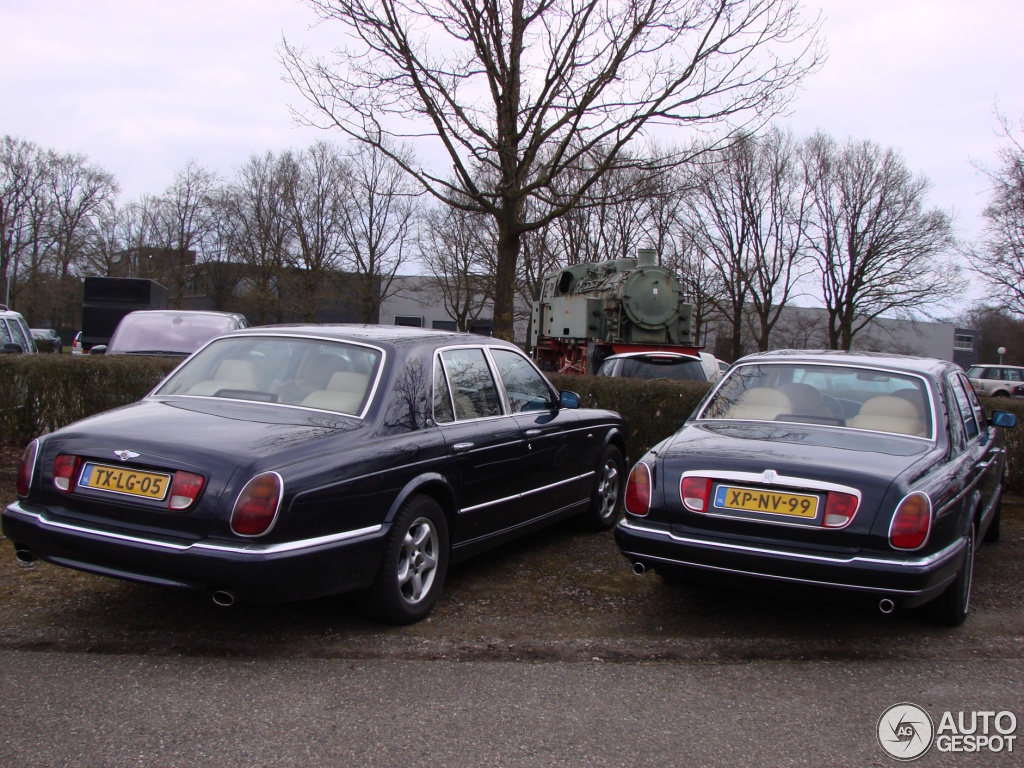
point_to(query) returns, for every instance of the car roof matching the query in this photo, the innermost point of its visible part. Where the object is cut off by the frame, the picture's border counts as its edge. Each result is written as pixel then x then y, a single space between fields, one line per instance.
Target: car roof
pixel 391 335
pixel 910 363
pixel 652 353
pixel 177 312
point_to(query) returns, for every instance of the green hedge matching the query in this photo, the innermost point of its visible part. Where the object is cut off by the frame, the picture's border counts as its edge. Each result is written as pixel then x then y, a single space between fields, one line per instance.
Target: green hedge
pixel 39 393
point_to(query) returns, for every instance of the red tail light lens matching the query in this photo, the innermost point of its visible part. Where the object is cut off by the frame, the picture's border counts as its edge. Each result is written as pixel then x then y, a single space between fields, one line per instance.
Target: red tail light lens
pixel 257 504
pixel 185 489
pixel 26 468
pixel 840 509
pixel 65 471
pixel 638 490
pixel 695 493
pixel 911 523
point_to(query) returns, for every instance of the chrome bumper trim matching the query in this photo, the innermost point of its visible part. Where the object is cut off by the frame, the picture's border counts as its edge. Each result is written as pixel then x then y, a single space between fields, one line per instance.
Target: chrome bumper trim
pixel 918 562
pixel 242 548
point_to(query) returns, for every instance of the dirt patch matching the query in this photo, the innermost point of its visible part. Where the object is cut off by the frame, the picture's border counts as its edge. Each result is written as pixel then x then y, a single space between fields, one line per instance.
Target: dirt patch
pixel 560 594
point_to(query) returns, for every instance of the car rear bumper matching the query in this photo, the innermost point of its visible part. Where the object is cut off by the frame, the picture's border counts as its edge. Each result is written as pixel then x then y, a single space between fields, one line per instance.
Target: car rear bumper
pixel 906 580
pixel 247 570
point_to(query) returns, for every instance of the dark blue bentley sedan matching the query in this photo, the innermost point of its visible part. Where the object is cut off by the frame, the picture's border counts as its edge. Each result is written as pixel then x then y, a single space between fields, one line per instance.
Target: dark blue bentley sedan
pixel 865 473
pixel 288 462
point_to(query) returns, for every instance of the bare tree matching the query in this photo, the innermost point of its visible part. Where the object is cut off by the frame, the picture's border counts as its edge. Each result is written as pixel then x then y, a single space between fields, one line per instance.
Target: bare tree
pixel 878 250
pixel 378 213
pixel 999 258
pixel 314 191
pixel 530 88
pixel 454 246
pixel 259 233
pixel 22 176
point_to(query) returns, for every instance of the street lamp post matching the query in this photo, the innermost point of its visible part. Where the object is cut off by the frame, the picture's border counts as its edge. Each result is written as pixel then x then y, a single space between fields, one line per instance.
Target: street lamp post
pixel 1001 351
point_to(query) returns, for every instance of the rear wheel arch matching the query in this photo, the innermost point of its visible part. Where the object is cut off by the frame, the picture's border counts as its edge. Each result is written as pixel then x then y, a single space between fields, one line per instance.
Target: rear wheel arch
pixel 435 486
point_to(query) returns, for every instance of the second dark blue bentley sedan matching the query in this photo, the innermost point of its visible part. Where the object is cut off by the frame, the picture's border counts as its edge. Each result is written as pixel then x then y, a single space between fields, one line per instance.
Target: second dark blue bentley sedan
pixel 289 462
pixel 869 474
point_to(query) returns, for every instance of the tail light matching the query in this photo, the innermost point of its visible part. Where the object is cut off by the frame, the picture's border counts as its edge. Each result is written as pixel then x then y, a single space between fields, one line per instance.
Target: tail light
pixel 638 490
pixel 840 509
pixel 695 493
pixel 65 471
pixel 185 489
pixel 911 523
pixel 26 468
pixel 256 508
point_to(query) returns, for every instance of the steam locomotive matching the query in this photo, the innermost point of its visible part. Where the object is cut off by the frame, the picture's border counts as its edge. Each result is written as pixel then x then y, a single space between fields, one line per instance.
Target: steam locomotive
pixel 587 312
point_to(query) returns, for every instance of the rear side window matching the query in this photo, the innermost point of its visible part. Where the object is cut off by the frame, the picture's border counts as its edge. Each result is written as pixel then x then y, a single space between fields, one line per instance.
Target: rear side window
pixel 965 404
pixel 474 393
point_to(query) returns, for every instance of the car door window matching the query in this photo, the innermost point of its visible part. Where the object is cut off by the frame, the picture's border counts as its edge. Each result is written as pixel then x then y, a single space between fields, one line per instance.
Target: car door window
pixel 474 394
pixel 5 335
pixel 526 388
pixel 18 336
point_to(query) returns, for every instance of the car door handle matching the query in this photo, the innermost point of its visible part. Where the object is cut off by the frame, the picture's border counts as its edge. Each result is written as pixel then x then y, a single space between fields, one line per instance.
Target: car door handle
pixel 534 432
pixel 461 447
pixel 985 464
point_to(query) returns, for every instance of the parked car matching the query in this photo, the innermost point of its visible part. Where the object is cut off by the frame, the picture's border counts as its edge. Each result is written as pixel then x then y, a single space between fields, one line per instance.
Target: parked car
pixel 15 335
pixel 77 347
pixel 288 462
pixel 713 367
pixel 47 340
pixel 995 380
pixel 869 474
pixel 654 365
pixel 168 332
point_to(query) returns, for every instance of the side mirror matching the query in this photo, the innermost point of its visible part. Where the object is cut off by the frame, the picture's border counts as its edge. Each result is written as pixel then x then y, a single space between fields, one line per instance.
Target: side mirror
pixel 99 349
pixel 567 399
pixel 1003 419
pixel 10 348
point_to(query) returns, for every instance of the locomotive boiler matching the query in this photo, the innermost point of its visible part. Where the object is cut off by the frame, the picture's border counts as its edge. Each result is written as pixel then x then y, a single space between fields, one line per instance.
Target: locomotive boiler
pixel 589 311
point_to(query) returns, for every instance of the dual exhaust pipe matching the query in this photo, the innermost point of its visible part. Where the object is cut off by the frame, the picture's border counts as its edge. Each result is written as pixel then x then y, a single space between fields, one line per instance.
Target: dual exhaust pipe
pixel 885 605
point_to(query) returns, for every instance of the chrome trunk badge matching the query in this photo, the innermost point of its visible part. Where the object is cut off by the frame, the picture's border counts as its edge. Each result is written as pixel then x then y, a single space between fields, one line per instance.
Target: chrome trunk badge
pixel 769 476
pixel 125 455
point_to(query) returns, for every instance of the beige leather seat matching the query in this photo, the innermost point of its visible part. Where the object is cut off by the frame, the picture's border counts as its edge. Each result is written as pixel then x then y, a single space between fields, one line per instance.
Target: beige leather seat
pixel 887 413
pixel 760 404
pixel 230 374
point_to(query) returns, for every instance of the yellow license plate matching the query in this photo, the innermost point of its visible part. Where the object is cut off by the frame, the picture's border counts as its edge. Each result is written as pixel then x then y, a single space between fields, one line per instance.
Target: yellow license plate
pixel 130 482
pixel 758 500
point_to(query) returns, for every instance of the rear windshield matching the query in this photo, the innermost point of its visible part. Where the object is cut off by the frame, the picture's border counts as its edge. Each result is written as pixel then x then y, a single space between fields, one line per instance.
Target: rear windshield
pixel 658 368
pixel 840 396
pixel 166 333
pixel 310 373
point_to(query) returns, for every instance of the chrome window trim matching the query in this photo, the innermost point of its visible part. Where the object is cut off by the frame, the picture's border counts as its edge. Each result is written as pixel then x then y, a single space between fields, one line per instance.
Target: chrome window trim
pixel 242 548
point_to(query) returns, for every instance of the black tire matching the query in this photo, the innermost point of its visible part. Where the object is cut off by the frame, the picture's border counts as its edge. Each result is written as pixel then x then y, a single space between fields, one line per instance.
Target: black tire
pixel 951 607
pixel 992 534
pixel 609 490
pixel 414 564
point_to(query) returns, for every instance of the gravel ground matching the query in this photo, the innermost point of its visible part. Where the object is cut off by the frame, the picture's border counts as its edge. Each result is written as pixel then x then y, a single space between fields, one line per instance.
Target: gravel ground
pixel 561 594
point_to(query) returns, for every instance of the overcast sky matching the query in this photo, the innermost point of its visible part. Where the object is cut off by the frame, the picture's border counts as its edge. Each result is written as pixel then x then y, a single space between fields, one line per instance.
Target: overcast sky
pixel 140 86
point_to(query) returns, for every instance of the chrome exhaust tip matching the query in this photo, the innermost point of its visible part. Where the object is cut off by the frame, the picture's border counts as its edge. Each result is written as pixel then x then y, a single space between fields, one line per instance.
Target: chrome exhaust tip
pixel 639 569
pixel 886 606
pixel 223 598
